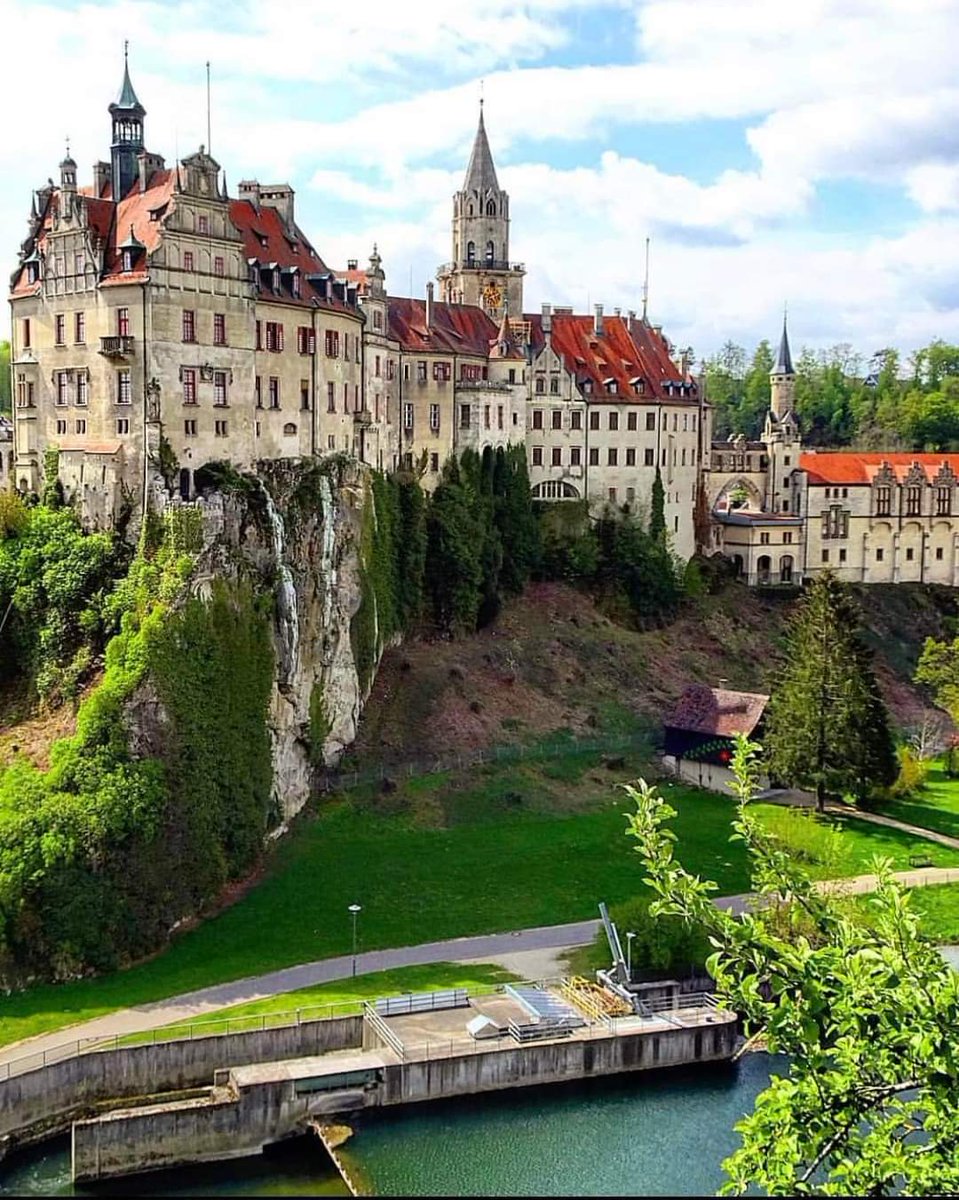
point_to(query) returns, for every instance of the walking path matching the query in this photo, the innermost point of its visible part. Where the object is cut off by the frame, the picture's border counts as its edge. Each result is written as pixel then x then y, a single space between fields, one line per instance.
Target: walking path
pixel 797 799
pixel 496 947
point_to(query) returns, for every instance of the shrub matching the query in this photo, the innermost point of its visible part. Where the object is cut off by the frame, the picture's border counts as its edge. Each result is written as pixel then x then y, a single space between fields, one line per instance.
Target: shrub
pixel 912 773
pixel 662 945
pixel 807 837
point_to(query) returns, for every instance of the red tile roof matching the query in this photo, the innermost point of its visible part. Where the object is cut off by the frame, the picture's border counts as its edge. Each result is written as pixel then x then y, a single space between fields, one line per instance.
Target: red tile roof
pixel 455 328
pixel 266 238
pixel 716 711
pixel 624 351
pixel 827 467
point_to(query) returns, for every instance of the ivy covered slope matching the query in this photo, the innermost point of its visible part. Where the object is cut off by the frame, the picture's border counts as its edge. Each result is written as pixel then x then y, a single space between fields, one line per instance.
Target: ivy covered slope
pixel 88 847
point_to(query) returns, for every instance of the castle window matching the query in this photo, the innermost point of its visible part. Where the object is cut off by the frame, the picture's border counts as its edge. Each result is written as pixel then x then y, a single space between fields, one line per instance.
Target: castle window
pixel 189 385
pixel 469 210
pixel 465 416
pixel 540 384
pixel 557 456
pixel 575 456
pixel 63 383
pixel 786 460
pixel 189 325
pixel 220 428
pixel 434 462
pixel 490 252
pixel 557 418
pixel 218 265
pixel 128 260
pixel 883 501
pixel 289 429
pixel 614 421
pixel 189 428
pixel 787 538
pixel 202 224
pixel 219 389
pixel 82 385
pixel 123 322
pixel 764 539
pixel 938 554
pixel 33 272
pixel 612 495
pixel 537 418
pixel 910 554
pixel 408 416
pixel 594 456
pixel 421 372
pixel 81 425
pixel 332 343
pixel 435 418
pixel 274 336
pixel 188 260
pixel 491 209
pixel 60 329
pixel 79 328
pixel 594 419
pixel 486 423
pixel 219 329
pixel 631 422
pixel 26 333
pixel 554 385
pixel 611 457
pixel 943 501
pixel 61 426
pixel 631 456
pixel 499 416
pixel 913 501
pixel 346 397
pixel 331 397
pixel 123 425
pixel 471 252
pixel 377 319
pixel 304 395
pixel 880 554
pixel 273 391
pixel 258 392
pixel 576 420
pixel 537 456
pixel 650 420
pixel 123 387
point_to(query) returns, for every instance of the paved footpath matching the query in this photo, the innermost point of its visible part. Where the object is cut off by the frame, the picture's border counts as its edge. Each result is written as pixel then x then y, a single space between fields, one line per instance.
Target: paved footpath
pixel 793 798
pixel 486 948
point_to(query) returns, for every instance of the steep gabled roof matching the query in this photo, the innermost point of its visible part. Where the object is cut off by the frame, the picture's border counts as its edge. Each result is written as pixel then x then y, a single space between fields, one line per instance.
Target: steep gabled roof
pixel 717 711
pixel 454 328
pixel 625 351
pixel 784 360
pixel 829 467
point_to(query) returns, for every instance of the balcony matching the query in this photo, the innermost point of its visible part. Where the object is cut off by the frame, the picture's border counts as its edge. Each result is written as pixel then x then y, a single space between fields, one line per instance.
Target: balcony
pixel 482 385
pixel 482 264
pixel 363 417
pixel 119 345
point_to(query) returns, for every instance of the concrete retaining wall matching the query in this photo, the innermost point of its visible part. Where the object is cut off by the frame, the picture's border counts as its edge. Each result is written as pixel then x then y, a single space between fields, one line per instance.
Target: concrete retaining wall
pixel 260 1113
pixel 39 1098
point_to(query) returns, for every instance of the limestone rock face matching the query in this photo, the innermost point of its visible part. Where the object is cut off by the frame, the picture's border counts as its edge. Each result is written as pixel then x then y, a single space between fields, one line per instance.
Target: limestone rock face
pixel 294 531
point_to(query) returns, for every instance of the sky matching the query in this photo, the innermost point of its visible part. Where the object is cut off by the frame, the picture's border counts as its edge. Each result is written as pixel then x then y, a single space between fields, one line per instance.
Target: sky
pixel 800 152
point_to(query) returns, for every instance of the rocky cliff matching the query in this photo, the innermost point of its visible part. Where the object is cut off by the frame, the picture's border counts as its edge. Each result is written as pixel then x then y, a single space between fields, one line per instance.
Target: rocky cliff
pixel 295 532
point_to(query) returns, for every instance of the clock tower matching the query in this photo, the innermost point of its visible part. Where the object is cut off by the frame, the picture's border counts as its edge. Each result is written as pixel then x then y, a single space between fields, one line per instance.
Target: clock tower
pixel 480 272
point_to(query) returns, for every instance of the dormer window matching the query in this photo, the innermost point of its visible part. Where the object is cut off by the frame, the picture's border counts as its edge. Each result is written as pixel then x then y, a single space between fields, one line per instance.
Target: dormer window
pixel 33 272
pixel 276 279
pixel 295 285
pixel 587 387
pixel 610 386
pixel 128 260
pixel 254 269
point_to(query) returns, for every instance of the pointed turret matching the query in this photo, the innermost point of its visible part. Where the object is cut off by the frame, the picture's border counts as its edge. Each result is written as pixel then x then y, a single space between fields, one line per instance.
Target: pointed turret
pixel 784 361
pixel 480 171
pixel 127 115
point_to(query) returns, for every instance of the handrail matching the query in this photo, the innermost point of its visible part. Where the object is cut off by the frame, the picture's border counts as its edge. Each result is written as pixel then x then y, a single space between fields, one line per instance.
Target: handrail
pixel 383 1030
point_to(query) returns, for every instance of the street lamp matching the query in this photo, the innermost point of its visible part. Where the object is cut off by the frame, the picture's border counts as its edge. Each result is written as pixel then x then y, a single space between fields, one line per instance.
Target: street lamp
pixel 354 910
pixel 629 954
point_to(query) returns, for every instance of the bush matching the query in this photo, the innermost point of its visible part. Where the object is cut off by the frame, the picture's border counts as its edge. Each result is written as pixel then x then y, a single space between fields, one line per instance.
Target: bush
pixel 662 945
pixel 807 837
pixel 912 773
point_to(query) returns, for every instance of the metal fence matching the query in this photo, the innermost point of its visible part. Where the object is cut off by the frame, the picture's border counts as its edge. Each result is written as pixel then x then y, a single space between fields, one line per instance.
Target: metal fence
pixel 339 778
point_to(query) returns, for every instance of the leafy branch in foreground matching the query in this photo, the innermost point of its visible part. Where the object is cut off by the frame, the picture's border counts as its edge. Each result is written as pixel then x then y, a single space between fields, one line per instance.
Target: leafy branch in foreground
pixel 867 1014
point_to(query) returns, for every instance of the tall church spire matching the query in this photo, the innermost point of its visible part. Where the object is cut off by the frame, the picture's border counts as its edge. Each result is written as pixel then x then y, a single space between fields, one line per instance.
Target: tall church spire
pixel 480 172
pixel 784 361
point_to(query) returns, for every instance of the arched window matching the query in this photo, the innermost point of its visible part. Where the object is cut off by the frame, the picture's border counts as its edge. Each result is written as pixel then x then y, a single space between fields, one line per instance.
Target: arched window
pixel 786 569
pixel 289 429
pixel 490 253
pixel 763 567
pixel 469 210
pixel 491 208
pixel 471 252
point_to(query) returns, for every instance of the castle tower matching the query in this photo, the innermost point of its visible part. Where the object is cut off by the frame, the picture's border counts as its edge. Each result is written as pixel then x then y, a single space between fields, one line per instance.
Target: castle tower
pixel 480 271
pixel 782 379
pixel 127 114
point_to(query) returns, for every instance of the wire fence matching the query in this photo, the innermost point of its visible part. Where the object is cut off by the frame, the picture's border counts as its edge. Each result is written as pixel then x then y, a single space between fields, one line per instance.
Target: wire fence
pixel 343 778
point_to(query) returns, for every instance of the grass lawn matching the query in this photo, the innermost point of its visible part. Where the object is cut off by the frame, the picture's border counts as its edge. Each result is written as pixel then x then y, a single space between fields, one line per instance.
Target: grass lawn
pixel 497 848
pixel 935 807
pixel 344 996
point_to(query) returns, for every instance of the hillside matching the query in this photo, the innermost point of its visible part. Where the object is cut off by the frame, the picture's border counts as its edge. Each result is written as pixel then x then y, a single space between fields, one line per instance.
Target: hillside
pixel 553 661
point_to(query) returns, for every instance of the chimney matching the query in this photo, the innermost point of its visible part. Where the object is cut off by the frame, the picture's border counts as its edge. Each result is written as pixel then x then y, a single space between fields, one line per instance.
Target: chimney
pixel 101 177
pixel 351 264
pixel 598 320
pixel 617 312
pixel 547 318
pixel 684 362
pixel 280 197
pixel 722 683
pixel 658 330
pixel 429 305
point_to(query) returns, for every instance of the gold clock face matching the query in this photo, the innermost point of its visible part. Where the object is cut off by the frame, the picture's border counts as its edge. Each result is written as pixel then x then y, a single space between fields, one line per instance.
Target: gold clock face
pixel 492 295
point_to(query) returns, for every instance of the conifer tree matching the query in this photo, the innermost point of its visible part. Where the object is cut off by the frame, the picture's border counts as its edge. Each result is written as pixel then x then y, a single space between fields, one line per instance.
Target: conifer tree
pixel 826 725
pixel 410 548
pixel 515 519
pixel 455 536
pixel 657 510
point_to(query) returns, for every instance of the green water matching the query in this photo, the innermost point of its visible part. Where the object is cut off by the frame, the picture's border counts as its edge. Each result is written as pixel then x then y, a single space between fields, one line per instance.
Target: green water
pixel 655 1134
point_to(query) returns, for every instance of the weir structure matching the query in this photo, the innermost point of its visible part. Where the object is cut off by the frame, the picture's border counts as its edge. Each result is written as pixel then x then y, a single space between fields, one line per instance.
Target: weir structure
pixel 231 1094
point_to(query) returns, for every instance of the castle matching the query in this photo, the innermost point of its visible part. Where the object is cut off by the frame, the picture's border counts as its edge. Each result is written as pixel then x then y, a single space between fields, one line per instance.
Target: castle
pixel 160 323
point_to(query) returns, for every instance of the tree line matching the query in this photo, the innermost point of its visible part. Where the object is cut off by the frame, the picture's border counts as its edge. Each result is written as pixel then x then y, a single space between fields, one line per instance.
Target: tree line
pixel 883 401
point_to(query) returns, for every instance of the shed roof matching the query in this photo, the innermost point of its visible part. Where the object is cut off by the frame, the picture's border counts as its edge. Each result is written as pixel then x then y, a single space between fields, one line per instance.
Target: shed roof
pixel 717 711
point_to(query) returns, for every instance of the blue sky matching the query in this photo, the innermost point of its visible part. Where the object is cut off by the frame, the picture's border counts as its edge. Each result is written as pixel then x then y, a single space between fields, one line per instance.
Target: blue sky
pixel 806 153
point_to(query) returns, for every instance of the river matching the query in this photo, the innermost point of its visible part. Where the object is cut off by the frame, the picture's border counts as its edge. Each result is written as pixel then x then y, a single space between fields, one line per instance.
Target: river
pixel 654 1134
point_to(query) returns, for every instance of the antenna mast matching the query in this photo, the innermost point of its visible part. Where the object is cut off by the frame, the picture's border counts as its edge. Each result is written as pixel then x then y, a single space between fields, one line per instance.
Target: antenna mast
pixel 209 147
pixel 646 283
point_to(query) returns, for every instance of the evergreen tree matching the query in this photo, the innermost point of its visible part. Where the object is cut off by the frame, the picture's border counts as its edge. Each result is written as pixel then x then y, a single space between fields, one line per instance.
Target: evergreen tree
pixel 515 519
pixel 657 511
pixel 826 725
pixel 454 548
pixel 410 549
